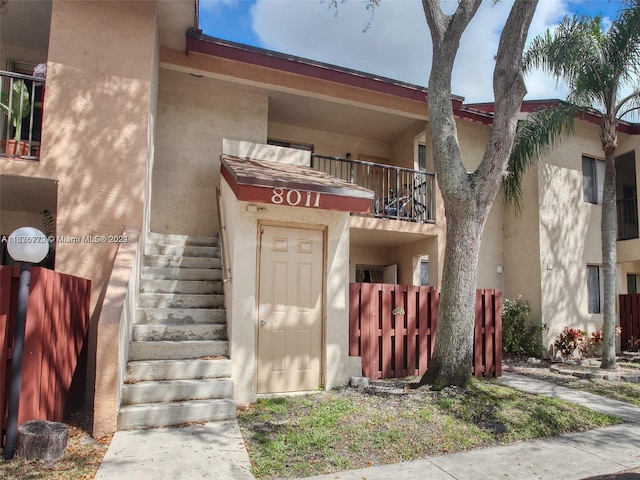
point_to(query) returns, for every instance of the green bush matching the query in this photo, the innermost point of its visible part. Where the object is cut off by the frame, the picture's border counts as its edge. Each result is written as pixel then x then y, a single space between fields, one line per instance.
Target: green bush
pixel 520 336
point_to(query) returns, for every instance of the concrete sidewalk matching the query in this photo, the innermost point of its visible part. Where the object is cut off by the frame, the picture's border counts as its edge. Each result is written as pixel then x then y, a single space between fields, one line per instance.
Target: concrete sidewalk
pixel 628 413
pixel 567 457
pixel 216 451
pixel 211 451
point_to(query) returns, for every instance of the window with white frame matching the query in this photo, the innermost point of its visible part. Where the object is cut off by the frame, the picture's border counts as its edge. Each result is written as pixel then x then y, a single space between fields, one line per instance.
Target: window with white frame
pixel 592 179
pixel 594 288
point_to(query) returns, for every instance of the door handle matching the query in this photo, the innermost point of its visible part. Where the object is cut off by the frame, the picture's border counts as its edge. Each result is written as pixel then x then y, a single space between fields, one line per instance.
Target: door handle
pixel 263 321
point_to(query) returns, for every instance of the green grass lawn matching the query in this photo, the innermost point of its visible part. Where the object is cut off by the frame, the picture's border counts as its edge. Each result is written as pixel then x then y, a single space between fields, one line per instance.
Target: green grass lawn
pixel 348 428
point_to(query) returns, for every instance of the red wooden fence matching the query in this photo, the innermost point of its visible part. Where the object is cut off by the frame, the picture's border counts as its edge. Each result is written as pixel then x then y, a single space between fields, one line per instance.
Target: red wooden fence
pixel 392 328
pixel 56 325
pixel 629 319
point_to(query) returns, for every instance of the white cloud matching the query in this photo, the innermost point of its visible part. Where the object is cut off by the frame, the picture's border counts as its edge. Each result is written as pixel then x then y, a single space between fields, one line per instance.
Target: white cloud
pixel 397 43
pixel 394 45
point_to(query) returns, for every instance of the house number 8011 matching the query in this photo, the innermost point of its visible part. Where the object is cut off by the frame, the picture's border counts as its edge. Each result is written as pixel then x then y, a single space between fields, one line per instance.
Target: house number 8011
pixel 295 198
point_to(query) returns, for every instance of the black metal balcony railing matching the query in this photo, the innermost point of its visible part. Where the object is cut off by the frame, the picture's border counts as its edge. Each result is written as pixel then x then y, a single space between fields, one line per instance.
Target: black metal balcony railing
pixel 627 218
pixel 399 193
pixel 20 115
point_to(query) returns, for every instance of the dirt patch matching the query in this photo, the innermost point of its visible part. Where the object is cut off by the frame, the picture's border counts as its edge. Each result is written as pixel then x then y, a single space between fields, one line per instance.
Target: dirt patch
pixel 80 462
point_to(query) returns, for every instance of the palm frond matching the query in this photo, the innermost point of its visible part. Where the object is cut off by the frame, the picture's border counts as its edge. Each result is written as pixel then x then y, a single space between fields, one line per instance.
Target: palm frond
pixel 623 43
pixel 564 51
pixel 630 103
pixel 534 136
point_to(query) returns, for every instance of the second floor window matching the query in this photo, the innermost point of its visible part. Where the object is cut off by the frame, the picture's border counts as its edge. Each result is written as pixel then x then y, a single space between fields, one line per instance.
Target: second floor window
pixel 592 179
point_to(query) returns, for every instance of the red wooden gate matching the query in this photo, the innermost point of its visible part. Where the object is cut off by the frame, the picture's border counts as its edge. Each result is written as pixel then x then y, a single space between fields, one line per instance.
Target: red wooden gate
pixel 629 319
pixel 392 328
pixel 56 325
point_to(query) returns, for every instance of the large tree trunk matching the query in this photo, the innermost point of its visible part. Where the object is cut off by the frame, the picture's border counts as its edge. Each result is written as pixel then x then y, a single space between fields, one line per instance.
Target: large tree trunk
pixel 452 356
pixel 609 231
pixel 468 196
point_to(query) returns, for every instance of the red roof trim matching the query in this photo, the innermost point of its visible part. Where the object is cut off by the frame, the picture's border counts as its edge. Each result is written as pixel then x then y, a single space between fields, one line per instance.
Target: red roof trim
pixel 200 43
pixel 529 106
pixel 478 112
pixel 266 58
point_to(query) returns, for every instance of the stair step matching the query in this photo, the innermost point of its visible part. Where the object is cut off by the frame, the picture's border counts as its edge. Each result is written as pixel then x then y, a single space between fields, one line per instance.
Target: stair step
pixel 181 250
pixel 179 300
pixel 175 261
pixel 176 390
pixel 177 350
pixel 180 316
pixel 194 331
pixel 178 369
pixel 175 413
pixel 176 239
pixel 177 273
pixel 181 286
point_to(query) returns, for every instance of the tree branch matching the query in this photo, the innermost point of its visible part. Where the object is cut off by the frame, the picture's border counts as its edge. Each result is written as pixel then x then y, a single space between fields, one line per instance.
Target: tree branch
pixel 446 31
pixel 509 90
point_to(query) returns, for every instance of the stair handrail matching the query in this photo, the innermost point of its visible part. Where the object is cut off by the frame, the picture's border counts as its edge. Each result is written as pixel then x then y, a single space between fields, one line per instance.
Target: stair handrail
pixel 222 228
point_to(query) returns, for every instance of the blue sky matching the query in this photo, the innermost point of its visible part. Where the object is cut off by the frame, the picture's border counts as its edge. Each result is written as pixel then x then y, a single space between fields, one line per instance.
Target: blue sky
pixel 396 44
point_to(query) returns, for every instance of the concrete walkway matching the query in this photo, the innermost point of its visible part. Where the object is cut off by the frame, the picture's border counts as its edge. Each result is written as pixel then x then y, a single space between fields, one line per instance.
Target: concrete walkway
pixel 211 451
pixel 216 451
pixel 628 413
pixel 567 457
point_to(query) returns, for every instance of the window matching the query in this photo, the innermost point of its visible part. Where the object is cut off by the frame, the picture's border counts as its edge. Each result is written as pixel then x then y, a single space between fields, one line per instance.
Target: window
pixel 633 283
pixel 424 273
pixel 369 274
pixel 287 144
pixel 422 157
pixel 594 288
pixel 592 179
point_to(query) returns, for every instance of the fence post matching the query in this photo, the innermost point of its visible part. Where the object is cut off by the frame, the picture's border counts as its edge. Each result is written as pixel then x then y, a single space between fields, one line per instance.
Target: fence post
pixel 412 319
pixel 399 330
pixel 355 320
pixel 478 334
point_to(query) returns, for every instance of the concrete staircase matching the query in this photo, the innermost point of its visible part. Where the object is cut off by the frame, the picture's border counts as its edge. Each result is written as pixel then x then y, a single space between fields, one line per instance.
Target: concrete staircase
pixel 178 369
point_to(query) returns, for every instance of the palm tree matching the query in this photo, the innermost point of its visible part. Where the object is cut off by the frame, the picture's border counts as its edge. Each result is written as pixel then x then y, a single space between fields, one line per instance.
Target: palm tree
pixel 596 64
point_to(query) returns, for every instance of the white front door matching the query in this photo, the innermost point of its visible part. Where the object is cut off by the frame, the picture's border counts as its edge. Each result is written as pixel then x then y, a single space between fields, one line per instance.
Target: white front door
pixel 290 307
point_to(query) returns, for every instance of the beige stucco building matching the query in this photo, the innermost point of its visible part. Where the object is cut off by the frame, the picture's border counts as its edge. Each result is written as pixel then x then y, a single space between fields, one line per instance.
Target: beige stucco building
pixel 143 125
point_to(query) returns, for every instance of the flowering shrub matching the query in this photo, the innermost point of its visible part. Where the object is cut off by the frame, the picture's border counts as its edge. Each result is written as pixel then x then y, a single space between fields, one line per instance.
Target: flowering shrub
pixel 597 338
pixel 571 340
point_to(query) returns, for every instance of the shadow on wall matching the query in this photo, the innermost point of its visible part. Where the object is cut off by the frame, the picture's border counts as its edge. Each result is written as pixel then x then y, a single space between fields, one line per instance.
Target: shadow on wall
pixel 566 223
pixel 95 143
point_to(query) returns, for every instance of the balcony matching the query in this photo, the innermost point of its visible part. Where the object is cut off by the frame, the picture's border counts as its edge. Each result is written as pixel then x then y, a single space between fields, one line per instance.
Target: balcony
pixel 20 115
pixel 399 193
